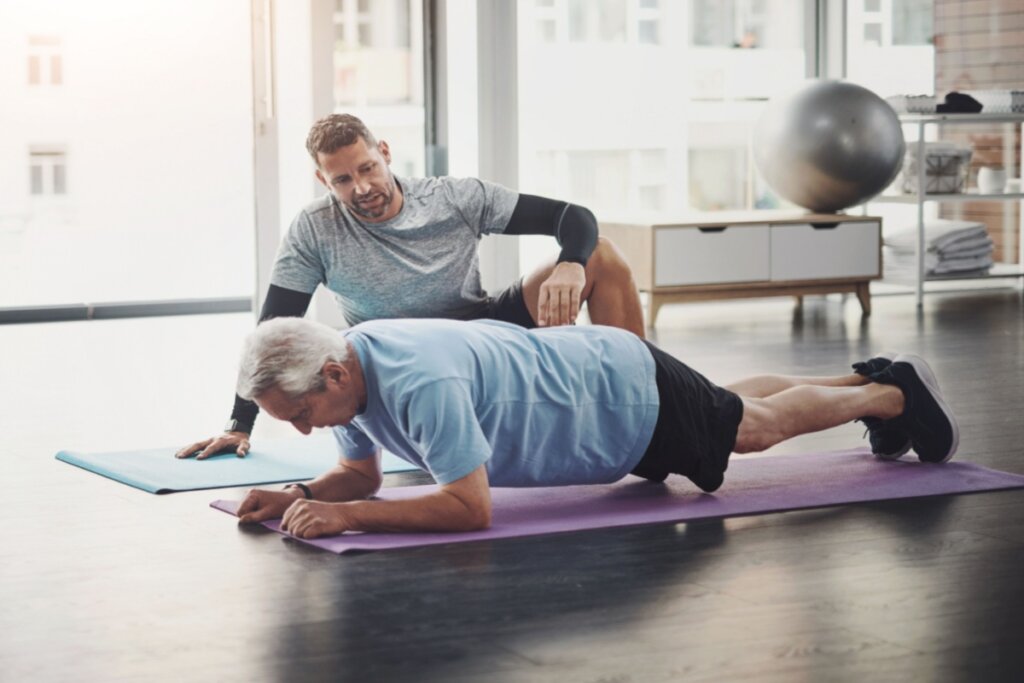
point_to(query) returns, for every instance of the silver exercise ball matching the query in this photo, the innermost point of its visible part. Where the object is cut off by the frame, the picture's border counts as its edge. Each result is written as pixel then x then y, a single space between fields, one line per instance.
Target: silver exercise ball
pixel 828 145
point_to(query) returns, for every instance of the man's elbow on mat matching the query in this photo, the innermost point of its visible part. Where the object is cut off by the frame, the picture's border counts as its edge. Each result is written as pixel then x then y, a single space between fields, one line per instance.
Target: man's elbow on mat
pixel 470 499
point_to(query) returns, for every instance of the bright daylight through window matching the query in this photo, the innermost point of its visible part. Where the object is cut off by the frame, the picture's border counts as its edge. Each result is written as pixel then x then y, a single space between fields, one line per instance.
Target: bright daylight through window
pixel 125 151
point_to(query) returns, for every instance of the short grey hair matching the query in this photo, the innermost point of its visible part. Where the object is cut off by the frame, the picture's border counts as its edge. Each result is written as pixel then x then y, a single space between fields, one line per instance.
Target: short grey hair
pixel 288 353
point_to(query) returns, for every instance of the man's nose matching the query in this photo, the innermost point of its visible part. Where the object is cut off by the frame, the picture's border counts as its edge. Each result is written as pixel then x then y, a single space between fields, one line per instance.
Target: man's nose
pixel 362 186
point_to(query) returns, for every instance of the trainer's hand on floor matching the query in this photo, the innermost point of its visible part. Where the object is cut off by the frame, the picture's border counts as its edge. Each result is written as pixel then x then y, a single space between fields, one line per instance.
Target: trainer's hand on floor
pixel 260 505
pixel 559 302
pixel 313 518
pixel 226 442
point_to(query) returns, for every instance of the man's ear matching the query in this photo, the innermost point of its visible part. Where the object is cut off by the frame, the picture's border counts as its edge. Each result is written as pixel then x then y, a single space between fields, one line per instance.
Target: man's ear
pixel 384 150
pixel 323 181
pixel 335 373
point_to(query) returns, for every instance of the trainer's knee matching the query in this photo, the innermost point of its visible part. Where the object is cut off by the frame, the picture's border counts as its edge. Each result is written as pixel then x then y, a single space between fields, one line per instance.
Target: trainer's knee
pixel 608 260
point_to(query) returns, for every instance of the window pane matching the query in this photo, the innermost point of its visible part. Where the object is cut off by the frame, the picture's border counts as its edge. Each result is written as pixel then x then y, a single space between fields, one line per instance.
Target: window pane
pixel 159 137
pixel 365 35
pixel 33 69
pixel 647 32
pixel 578 18
pixel 59 182
pixel 613 20
pixel 870 58
pixel 912 22
pixel 873 34
pixel 652 121
pixel 56 77
pixel 546 30
pixel 36 173
pixel 380 80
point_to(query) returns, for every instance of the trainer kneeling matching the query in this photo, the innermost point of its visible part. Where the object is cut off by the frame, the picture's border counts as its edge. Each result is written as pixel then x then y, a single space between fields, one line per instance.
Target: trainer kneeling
pixel 486 403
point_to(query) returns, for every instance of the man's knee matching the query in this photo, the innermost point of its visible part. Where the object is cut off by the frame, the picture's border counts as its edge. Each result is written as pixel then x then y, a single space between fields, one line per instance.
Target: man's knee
pixel 608 261
pixel 758 430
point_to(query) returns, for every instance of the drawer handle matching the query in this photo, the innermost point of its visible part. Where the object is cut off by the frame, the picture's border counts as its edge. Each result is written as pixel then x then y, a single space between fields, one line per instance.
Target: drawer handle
pixel 714 228
pixel 824 226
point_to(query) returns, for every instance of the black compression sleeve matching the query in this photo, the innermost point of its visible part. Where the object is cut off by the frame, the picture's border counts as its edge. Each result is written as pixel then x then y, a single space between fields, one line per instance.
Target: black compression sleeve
pixel 284 303
pixel 575 227
pixel 280 303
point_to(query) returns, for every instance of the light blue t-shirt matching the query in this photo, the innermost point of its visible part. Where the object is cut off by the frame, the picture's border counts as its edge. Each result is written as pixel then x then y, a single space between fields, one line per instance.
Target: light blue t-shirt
pixel 547 407
pixel 422 263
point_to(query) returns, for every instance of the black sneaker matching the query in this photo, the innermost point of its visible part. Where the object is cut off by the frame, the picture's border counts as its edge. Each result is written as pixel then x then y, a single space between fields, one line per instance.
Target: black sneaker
pixel 926 418
pixel 888 441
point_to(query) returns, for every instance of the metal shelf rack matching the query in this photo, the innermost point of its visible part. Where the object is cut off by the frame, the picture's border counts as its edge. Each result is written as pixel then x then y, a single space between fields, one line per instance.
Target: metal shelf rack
pixel 921 197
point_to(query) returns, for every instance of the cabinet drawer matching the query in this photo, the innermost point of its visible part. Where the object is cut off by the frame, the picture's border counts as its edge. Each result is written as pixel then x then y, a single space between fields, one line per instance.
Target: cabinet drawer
pixel 805 251
pixel 692 255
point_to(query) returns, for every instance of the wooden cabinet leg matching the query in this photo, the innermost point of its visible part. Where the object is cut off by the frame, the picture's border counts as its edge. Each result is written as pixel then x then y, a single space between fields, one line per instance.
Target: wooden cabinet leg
pixel 864 296
pixel 654 303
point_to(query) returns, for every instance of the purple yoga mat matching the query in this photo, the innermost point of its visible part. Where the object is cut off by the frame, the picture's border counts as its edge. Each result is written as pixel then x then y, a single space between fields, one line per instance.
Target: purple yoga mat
pixel 752 486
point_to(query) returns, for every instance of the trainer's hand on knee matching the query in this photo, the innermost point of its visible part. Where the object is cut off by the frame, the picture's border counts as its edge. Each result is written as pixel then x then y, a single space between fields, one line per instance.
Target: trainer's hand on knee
pixel 260 505
pixel 228 441
pixel 559 301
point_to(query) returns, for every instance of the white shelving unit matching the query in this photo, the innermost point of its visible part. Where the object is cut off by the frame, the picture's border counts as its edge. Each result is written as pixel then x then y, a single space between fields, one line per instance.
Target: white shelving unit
pixel 921 197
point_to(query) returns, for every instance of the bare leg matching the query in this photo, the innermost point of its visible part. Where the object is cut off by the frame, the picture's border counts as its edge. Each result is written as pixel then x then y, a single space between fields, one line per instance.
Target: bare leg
pixel 761 386
pixel 610 292
pixel 808 408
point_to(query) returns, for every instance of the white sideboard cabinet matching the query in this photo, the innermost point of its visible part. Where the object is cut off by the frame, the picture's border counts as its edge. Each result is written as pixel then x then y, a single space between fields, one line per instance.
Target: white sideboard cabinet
pixel 753 254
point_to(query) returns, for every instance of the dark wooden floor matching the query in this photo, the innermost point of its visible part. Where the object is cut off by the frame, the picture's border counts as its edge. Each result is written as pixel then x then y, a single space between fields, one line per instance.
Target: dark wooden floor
pixel 99 582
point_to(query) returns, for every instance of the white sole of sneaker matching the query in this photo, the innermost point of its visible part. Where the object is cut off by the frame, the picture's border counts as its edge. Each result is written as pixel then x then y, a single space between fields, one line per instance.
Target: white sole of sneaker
pixel 924 371
pixel 894 456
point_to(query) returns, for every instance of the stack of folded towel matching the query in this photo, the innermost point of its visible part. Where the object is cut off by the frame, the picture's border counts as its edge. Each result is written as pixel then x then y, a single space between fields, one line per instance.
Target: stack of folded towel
pixel 951 248
pixel 913 104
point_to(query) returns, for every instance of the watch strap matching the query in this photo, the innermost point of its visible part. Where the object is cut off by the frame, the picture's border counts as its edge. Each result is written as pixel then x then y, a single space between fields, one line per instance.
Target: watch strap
pixel 306 491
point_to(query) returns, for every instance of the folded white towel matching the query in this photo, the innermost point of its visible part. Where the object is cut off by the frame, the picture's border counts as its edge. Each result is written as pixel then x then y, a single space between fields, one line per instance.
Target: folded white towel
pixel 938 234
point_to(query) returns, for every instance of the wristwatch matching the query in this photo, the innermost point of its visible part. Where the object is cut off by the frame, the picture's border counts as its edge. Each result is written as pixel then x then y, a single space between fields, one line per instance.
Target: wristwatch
pixel 307 492
pixel 238 426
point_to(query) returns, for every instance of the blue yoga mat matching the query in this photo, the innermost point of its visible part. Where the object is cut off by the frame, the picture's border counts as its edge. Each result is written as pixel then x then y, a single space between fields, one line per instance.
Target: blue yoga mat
pixel 269 462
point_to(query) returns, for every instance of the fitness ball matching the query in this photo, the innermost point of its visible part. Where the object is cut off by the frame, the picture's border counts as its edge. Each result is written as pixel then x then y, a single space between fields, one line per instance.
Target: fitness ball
pixel 828 145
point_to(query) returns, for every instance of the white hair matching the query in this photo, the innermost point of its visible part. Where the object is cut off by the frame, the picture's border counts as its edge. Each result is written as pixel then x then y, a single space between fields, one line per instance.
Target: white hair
pixel 288 353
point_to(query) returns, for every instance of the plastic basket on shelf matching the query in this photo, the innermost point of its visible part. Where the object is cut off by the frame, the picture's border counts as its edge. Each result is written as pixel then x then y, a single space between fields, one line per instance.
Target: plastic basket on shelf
pixel 946 167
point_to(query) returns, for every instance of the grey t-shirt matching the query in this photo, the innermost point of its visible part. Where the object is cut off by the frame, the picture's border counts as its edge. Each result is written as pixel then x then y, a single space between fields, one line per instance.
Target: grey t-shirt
pixel 422 263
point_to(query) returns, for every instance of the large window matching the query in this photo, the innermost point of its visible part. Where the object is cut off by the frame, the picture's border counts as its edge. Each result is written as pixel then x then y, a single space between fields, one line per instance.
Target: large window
pixel 638 105
pixel 125 152
pixel 890 48
pixel 378 73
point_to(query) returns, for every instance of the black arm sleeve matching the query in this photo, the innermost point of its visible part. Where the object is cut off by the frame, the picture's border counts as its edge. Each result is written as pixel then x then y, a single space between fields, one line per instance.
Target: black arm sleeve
pixel 280 303
pixel 575 227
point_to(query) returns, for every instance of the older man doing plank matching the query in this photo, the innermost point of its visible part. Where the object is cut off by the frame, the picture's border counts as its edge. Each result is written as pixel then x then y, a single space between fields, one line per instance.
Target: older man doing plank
pixel 487 403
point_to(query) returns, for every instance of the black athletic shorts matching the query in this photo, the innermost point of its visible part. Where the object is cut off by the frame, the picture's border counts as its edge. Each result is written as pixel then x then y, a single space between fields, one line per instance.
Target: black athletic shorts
pixel 696 428
pixel 509 306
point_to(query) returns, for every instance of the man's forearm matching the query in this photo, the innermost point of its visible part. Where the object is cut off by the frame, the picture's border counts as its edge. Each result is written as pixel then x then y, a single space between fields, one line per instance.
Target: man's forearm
pixel 343 484
pixel 439 511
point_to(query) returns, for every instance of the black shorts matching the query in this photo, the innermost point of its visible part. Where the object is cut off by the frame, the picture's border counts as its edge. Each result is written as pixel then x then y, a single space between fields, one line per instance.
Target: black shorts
pixel 696 428
pixel 510 307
